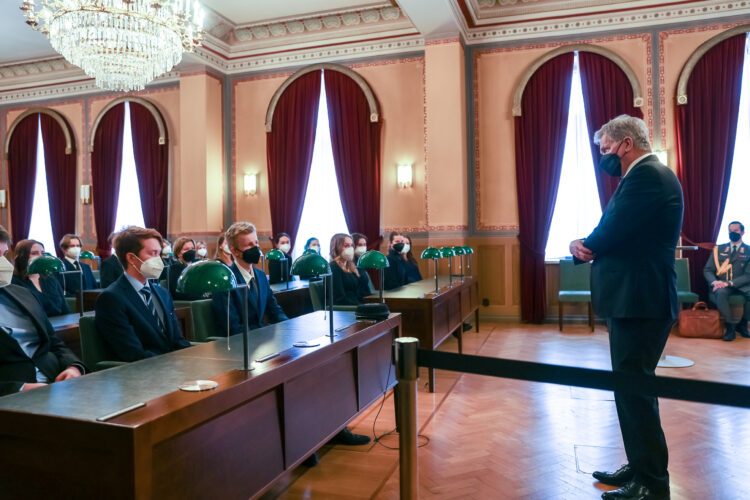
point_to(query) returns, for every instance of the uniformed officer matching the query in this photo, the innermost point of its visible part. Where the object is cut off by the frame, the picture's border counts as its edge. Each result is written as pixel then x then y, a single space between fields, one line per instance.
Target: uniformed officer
pixel 728 274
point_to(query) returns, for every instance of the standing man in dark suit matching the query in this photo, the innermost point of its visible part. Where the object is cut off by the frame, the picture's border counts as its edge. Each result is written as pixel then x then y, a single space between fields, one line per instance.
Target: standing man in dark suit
pixel 136 318
pixel 727 273
pixel 243 243
pixel 111 269
pixel 634 286
pixel 71 247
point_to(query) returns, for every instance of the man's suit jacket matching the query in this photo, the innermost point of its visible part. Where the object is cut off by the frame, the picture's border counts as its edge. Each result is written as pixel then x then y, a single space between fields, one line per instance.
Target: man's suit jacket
pixel 71 283
pixel 260 303
pixel 740 274
pixel 51 357
pixel 633 272
pixel 125 322
pixel 110 270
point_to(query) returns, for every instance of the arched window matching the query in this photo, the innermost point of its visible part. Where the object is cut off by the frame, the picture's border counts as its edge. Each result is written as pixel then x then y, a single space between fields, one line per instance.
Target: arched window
pixel 129 212
pixel 42 177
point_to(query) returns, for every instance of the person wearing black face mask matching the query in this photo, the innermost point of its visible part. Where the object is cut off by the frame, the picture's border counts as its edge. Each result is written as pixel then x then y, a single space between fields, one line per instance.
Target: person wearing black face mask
pixel 184 252
pixel 634 286
pixel 395 275
pixel 242 240
pixel 727 273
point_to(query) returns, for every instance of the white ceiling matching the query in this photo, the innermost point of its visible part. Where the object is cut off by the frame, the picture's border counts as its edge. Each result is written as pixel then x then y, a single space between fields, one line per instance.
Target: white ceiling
pixel 258 11
pixel 17 40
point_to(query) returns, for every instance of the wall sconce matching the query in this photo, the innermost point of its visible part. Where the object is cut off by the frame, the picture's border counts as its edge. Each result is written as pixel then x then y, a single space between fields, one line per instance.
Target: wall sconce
pixel 251 184
pixel 404 176
pixel 85 194
pixel 662 155
pixel 3 198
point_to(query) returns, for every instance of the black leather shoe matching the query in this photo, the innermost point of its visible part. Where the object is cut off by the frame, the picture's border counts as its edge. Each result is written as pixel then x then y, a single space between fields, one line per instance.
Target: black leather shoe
pixel 729 334
pixel 312 460
pixel 635 491
pixel 349 438
pixel 467 327
pixel 742 328
pixel 620 477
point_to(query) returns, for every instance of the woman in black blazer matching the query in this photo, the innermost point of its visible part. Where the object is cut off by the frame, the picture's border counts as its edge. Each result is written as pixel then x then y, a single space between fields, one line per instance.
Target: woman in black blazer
pixel 350 285
pixel 45 289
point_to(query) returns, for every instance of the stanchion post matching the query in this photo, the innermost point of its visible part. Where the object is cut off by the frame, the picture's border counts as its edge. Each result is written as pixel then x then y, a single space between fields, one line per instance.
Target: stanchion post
pixel 405 357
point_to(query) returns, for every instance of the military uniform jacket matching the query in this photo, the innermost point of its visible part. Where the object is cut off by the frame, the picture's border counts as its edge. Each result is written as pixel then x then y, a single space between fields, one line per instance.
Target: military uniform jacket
pixel 739 274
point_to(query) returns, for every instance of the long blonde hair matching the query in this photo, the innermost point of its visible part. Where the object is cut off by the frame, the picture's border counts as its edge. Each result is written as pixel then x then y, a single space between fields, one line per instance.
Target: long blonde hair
pixel 337 247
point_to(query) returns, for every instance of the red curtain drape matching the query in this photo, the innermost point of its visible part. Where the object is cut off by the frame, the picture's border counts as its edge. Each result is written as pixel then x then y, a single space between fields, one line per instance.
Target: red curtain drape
pixel 152 164
pixel 356 154
pixel 706 127
pixel 289 148
pixel 607 93
pixel 540 142
pixel 22 175
pixel 106 164
pixel 61 179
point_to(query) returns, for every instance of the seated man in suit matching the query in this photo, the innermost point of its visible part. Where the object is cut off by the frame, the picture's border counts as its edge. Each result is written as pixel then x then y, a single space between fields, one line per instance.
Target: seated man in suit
pixel 136 318
pixel 71 283
pixel 31 355
pixel 242 240
pixel 111 269
pixel 727 273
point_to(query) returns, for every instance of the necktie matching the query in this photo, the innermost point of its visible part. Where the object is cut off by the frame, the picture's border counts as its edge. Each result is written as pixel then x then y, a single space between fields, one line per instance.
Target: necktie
pixel 734 250
pixel 77 266
pixel 146 292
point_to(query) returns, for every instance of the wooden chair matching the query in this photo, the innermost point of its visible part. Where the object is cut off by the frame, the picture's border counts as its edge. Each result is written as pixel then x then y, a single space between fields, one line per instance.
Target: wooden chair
pixel 95 352
pixel 684 295
pixel 574 287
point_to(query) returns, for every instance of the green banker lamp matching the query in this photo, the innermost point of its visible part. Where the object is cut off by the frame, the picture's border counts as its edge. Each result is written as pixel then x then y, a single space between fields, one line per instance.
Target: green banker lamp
pixel 86 254
pixel 434 254
pixel 278 255
pixel 448 253
pixel 48 264
pixel 469 253
pixel 309 251
pixel 460 252
pixel 375 260
pixel 312 264
pixel 202 279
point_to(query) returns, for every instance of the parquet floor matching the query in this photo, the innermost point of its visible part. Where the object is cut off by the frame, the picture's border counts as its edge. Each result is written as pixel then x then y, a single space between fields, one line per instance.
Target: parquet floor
pixel 493 438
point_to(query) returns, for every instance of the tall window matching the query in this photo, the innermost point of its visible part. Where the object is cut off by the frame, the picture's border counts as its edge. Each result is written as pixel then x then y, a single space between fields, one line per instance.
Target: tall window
pixel 577 208
pixel 322 214
pixel 736 207
pixel 41 224
pixel 129 212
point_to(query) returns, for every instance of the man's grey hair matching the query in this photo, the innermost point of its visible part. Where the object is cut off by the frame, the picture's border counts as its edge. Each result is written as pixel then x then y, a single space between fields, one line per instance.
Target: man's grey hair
pixel 624 126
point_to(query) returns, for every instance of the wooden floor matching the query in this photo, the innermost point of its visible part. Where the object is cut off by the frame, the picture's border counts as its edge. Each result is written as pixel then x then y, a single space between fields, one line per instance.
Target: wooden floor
pixel 493 438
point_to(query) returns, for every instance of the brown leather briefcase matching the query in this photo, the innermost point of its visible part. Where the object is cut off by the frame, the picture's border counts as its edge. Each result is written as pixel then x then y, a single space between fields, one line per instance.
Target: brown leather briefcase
pixel 700 322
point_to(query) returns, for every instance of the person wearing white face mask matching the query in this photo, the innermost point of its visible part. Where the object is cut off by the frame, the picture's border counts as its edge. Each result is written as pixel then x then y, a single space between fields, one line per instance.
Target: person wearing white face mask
pixel 45 289
pixel 223 253
pixel 201 250
pixel 313 244
pixel 412 268
pixel 360 245
pixel 349 285
pixel 278 271
pixel 70 244
pixel 136 318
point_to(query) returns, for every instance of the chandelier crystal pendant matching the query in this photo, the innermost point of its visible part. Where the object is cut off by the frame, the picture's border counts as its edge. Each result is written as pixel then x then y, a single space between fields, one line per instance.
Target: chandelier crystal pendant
pixel 123 44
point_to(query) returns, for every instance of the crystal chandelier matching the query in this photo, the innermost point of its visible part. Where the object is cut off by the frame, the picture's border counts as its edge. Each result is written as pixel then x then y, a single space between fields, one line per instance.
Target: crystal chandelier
pixel 123 44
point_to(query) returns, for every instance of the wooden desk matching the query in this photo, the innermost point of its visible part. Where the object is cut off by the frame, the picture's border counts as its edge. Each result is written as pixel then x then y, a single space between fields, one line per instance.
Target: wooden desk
pixel 296 300
pixel 230 442
pixel 433 317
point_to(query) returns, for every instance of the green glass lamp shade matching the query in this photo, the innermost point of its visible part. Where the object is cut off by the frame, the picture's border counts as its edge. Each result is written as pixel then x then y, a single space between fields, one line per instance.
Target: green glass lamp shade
pixel 373 260
pixel 459 251
pixel 468 250
pixel 204 278
pixel 310 265
pixel 447 252
pixel 87 255
pixel 275 255
pixel 309 251
pixel 47 254
pixel 431 253
pixel 46 264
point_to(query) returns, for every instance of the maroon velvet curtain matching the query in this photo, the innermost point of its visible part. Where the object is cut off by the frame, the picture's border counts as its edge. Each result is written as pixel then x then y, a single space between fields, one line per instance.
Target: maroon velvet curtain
pixel 22 175
pixel 106 164
pixel 540 142
pixel 152 164
pixel 356 154
pixel 607 93
pixel 61 179
pixel 289 148
pixel 706 127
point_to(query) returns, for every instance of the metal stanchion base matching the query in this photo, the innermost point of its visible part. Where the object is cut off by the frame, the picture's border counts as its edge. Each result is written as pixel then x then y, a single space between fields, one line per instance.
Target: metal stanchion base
pixel 674 362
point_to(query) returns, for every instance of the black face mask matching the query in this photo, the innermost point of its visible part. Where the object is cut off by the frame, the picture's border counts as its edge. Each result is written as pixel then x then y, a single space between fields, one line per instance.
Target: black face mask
pixel 611 164
pixel 734 237
pixel 189 256
pixel 398 247
pixel 251 255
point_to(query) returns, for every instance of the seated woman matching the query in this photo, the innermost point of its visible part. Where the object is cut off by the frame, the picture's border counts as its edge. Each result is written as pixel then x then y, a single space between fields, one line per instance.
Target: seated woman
pixel 313 244
pixel 410 264
pixel 278 271
pixel 201 250
pixel 184 253
pixel 45 289
pixel 223 253
pixel 360 245
pixel 349 285
pixel 395 274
